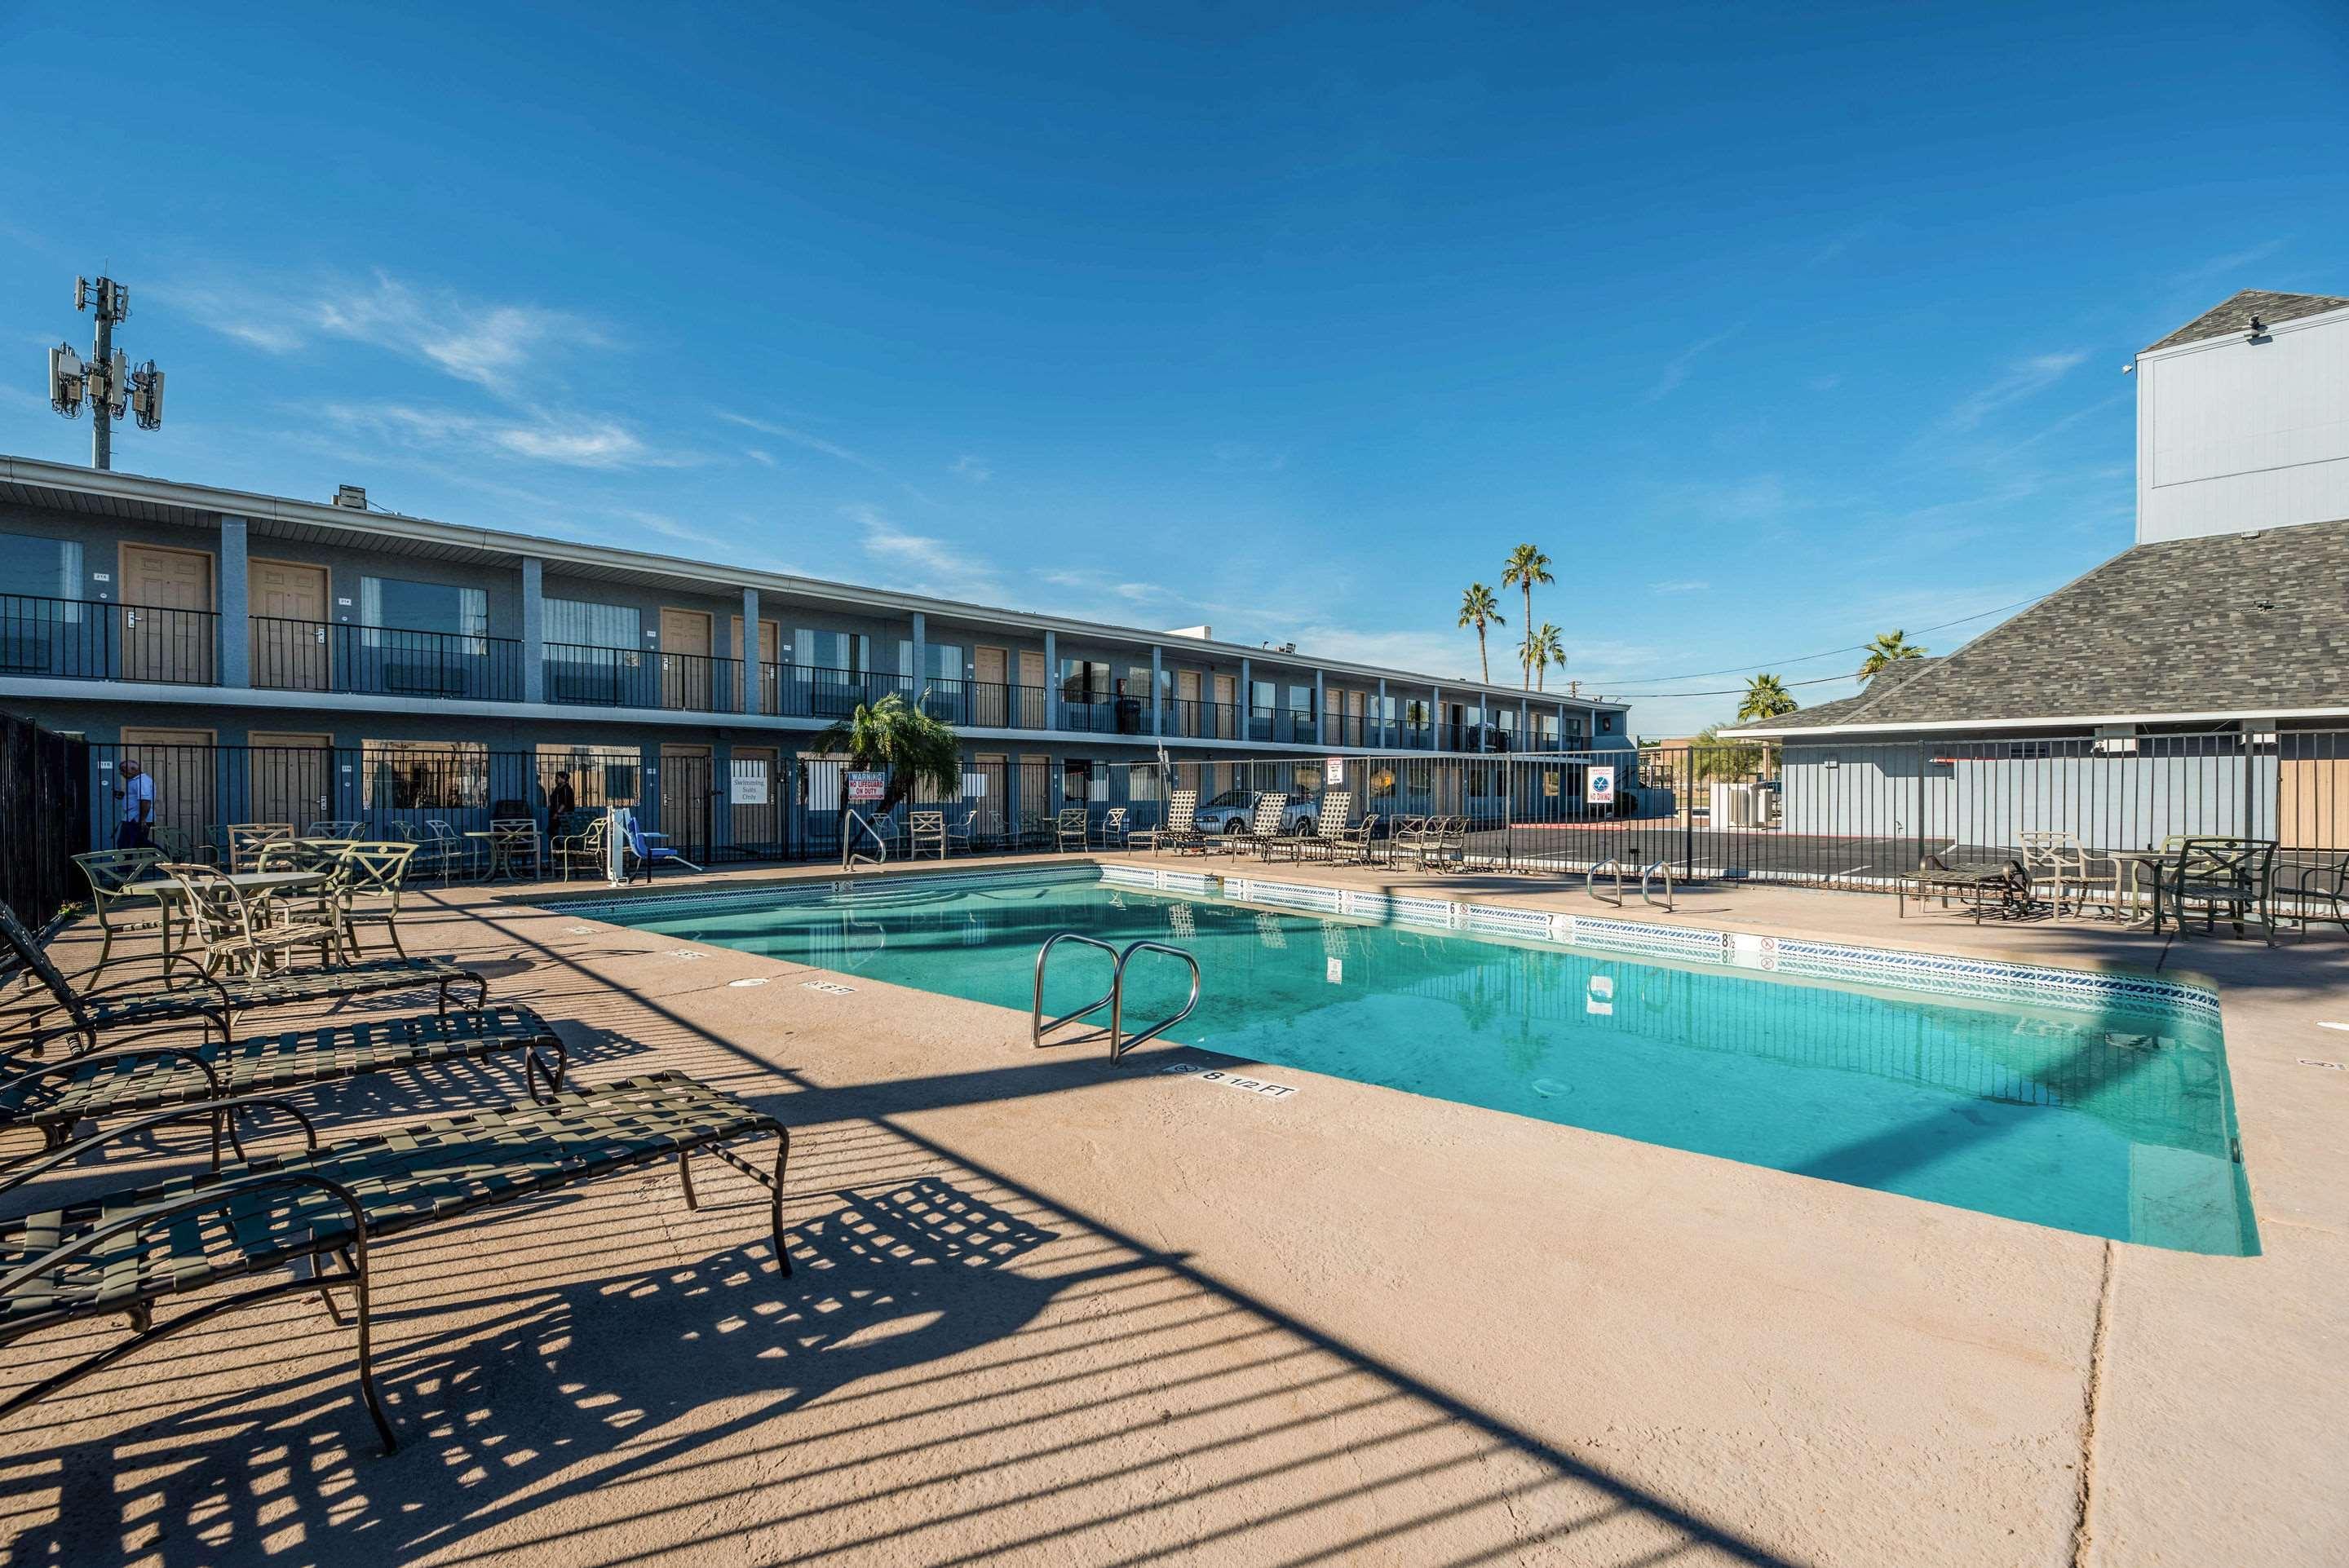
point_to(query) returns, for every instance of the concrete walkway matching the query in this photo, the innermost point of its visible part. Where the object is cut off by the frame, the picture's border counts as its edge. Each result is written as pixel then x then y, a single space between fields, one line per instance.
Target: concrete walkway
pixel 1045 1310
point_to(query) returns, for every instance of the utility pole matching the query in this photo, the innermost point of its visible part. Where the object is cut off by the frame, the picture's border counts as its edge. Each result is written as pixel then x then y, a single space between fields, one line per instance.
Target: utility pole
pixel 110 384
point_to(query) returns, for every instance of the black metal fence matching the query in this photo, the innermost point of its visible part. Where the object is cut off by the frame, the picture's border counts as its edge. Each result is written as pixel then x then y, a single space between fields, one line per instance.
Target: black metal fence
pixel 44 780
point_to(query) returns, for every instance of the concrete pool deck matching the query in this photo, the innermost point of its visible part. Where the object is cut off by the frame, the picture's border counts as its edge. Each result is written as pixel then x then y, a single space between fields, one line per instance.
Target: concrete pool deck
pixel 1047 1310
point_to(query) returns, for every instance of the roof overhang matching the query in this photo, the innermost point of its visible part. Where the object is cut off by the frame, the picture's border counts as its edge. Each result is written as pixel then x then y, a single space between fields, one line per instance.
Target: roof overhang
pixel 106 492
pixel 2055 721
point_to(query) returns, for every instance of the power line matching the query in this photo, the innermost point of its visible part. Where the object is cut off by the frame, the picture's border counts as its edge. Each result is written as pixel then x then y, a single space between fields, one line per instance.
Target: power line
pixel 1806 659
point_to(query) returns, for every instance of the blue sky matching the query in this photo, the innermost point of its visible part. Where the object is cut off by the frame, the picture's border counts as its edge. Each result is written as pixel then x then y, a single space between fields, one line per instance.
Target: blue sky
pixel 1776 326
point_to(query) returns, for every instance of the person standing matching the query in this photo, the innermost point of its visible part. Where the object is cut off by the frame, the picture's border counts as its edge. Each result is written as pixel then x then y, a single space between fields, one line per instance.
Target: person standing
pixel 136 790
pixel 560 802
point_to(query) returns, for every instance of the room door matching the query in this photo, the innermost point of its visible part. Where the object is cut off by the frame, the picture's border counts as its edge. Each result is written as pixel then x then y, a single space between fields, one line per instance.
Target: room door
pixel 769 672
pixel 290 650
pixel 685 666
pixel 758 827
pixel 289 776
pixel 167 627
pixel 1186 703
pixel 1028 708
pixel 1227 689
pixel 184 764
pixel 688 795
pixel 990 704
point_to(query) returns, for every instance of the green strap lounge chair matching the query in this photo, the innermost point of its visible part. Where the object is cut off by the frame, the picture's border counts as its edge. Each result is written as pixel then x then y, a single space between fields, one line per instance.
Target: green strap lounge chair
pixel 66 1012
pixel 302 1223
pixel 57 1097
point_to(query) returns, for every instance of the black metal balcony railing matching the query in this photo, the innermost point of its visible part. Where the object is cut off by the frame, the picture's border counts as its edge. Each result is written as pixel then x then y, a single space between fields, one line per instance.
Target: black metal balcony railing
pixel 384 661
pixel 1192 719
pixel 90 640
pixel 640 677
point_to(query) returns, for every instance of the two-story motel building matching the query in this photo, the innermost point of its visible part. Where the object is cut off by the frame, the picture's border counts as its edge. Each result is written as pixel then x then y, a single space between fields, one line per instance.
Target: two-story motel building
pixel 269 658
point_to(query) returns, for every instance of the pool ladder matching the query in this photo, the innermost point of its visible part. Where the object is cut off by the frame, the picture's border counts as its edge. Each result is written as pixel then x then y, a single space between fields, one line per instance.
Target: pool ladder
pixel 1114 1000
pixel 1647 874
pixel 850 857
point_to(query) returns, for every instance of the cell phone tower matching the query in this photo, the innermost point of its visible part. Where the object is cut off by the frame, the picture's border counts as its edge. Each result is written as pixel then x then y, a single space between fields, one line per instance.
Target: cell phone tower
pixel 110 384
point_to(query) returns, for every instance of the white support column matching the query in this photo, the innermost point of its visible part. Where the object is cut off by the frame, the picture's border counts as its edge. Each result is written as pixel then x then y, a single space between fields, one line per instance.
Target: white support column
pixel 235 610
pixel 534 629
pixel 750 653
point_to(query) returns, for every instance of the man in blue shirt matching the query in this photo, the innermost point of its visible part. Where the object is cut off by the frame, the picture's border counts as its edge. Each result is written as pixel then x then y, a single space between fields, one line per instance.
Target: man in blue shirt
pixel 136 793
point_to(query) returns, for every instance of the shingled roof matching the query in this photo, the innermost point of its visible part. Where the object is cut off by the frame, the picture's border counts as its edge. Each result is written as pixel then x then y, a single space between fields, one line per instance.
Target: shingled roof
pixel 2226 623
pixel 2234 316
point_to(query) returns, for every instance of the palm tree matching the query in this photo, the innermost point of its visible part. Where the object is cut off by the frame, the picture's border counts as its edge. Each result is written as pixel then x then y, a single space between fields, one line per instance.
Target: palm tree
pixel 1766 697
pixel 1889 647
pixel 1543 648
pixel 893 736
pixel 1480 609
pixel 1526 565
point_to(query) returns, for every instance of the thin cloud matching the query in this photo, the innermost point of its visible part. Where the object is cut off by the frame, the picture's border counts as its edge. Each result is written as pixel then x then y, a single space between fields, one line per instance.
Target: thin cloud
pixel 764 459
pixel 2025 378
pixel 2234 261
pixel 972 467
pixel 489 345
pixel 801 438
pixel 1676 369
pixel 1681 585
pixel 584 442
pixel 919 561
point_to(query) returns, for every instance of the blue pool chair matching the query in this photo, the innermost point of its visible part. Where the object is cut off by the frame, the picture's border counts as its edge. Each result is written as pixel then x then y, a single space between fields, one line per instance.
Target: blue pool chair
pixel 648 854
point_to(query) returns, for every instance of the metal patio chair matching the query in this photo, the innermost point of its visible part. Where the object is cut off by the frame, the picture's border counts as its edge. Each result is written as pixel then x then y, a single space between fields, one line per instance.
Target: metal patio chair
pixel 1110 833
pixel 588 847
pixel 2320 890
pixel 246 840
pixel 2053 859
pixel 1070 827
pixel 239 930
pixel 1179 832
pixel 117 897
pixel 313 1213
pixel 334 828
pixel 2236 875
pixel 926 833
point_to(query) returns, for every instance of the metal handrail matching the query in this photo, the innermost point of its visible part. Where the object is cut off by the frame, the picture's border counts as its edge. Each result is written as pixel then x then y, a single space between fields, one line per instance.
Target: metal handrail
pixel 850 858
pixel 1665 867
pixel 1037 1028
pixel 1114 1000
pixel 1590 878
pixel 1118 1043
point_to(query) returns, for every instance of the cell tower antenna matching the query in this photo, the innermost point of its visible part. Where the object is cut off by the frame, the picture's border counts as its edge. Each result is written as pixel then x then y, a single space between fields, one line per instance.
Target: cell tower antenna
pixel 110 383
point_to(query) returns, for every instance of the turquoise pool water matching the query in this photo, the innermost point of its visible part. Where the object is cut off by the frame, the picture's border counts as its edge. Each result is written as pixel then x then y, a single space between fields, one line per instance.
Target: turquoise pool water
pixel 2115 1125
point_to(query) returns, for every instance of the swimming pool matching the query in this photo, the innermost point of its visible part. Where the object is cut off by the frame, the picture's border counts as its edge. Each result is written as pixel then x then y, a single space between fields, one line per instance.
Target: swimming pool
pixel 2108 1120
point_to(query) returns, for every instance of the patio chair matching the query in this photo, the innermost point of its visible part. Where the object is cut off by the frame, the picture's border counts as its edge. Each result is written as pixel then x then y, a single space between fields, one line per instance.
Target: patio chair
pixel 1264 822
pixel 1068 829
pixel 2236 875
pixel 243 932
pixel 114 877
pixel 962 834
pixel 514 843
pixel 55 1097
pixel 183 843
pixel 1404 837
pixel 1355 845
pixel 2002 890
pixel 1328 822
pixel 1110 833
pixel 333 828
pixel 245 841
pixel 90 1013
pixel 314 1213
pixel 366 890
pixel 2320 890
pixel 2055 860
pixel 587 847
pixel 926 832
pixel 1179 832
pixel 650 856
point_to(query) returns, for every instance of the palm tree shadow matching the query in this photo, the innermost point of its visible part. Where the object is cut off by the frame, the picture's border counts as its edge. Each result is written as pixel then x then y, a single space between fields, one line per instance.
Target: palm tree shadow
pixel 568 1390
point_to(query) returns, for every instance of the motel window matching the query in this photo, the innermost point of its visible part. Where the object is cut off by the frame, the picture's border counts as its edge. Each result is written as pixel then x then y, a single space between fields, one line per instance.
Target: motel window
pixel 848 651
pixel 600 775
pixel 1141 782
pixel 585 624
pixel 394 604
pixel 1300 699
pixel 424 775
pixel 1606 723
pixel 1260 697
pixel 1084 680
pixel 1083 781
pixel 46 568
pixel 941 661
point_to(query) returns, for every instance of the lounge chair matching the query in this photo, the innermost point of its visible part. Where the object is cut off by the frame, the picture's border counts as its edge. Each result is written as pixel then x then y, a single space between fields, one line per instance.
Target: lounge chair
pixel 1329 824
pixel 2002 890
pixel 1179 832
pixel 119 1080
pixel 1264 822
pixel 926 833
pixel 115 893
pixel 148 1003
pixel 650 856
pixel 314 1213
pixel 1070 827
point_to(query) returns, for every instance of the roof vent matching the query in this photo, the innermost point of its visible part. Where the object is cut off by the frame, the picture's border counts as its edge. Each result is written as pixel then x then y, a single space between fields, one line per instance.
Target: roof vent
pixel 352 496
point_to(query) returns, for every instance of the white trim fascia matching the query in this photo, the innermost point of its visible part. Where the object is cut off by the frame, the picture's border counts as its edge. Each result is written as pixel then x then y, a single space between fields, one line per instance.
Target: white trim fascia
pixel 117 485
pixel 1941 726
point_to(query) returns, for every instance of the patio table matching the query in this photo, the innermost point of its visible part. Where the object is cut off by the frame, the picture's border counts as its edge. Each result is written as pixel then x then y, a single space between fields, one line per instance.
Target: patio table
pixel 2133 870
pixel 503 843
pixel 251 887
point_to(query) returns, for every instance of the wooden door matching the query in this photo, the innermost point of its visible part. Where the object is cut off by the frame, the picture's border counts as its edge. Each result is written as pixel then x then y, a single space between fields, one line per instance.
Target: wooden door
pixel 1029 704
pixel 685 660
pixel 1227 689
pixel 686 794
pixel 1186 703
pixel 173 643
pixel 185 766
pixel 289 776
pixel 990 700
pixel 994 770
pixel 290 646
pixel 759 828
